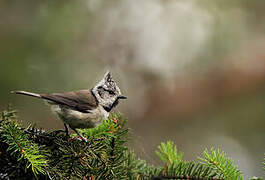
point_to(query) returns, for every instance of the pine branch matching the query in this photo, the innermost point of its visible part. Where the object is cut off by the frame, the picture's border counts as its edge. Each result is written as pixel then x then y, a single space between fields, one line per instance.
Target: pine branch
pixel 34 153
pixel 182 178
pixel 176 168
pixel 18 144
pixel 221 164
pixel 168 153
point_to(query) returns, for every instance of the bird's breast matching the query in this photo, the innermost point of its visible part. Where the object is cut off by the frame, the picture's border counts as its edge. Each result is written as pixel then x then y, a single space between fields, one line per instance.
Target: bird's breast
pixel 77 119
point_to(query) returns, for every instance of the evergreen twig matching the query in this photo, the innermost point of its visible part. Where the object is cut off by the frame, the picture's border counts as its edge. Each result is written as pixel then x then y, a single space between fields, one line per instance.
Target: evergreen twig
pixel 32 153
pixel 221 164
pixel 19 146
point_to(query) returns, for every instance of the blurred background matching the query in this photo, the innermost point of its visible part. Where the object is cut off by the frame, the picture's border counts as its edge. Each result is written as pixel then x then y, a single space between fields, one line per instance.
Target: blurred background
pixel 193 71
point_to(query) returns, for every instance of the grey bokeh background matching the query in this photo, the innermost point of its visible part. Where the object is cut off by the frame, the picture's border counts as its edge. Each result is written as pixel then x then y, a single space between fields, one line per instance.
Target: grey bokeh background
pixel 194 71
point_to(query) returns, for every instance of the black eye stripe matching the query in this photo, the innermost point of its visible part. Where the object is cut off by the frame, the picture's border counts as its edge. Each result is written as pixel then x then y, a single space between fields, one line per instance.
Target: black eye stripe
pixel 109 91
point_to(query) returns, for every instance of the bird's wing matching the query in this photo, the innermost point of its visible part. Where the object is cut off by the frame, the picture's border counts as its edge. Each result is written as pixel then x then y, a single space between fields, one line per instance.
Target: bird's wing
pixel 82 100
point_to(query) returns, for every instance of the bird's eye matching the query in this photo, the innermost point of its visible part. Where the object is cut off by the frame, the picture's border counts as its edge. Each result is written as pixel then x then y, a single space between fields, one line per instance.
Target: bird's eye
pixel 111 92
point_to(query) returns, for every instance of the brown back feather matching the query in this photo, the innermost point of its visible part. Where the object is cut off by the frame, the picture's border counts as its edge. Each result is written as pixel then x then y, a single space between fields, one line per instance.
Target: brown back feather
pixel 81 100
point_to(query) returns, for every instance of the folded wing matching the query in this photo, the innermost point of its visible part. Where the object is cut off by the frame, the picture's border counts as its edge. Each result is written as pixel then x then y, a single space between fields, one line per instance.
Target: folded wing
pixel 82 100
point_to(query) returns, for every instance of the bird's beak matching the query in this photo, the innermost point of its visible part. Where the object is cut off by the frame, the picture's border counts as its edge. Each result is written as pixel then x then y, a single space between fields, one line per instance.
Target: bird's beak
pixel 122 97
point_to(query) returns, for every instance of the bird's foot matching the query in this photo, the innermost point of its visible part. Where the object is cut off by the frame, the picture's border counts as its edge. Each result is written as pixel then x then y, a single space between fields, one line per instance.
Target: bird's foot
pixel 80 135
pixel 81 138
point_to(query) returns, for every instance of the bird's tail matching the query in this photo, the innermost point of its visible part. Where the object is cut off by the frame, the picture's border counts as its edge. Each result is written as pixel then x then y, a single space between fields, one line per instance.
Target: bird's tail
pixel 26 93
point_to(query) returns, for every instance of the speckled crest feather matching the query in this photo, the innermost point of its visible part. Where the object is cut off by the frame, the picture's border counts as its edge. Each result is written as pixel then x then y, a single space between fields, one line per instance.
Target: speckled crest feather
pixel 107 91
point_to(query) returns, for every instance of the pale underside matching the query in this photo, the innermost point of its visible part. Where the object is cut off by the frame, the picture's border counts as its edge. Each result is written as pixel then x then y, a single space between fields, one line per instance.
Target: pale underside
pixel 77 119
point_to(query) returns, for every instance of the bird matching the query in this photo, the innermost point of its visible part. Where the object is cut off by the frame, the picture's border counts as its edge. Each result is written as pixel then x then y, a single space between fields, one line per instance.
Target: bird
pixel 83 109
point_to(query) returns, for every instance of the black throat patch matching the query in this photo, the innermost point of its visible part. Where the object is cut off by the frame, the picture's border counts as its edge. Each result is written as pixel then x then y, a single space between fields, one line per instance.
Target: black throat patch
pixel 108 109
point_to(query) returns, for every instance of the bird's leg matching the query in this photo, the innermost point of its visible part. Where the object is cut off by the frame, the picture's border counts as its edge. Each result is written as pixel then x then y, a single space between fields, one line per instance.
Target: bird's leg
pixel 66 129
pixel 82 137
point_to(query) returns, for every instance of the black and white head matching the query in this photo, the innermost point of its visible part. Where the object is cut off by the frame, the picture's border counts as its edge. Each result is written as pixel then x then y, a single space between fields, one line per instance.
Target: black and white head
pixel 107 92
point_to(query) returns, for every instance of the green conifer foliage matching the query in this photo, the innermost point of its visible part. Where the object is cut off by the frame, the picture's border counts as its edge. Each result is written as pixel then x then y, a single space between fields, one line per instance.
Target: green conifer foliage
pixel 32 153
pixel 18 155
